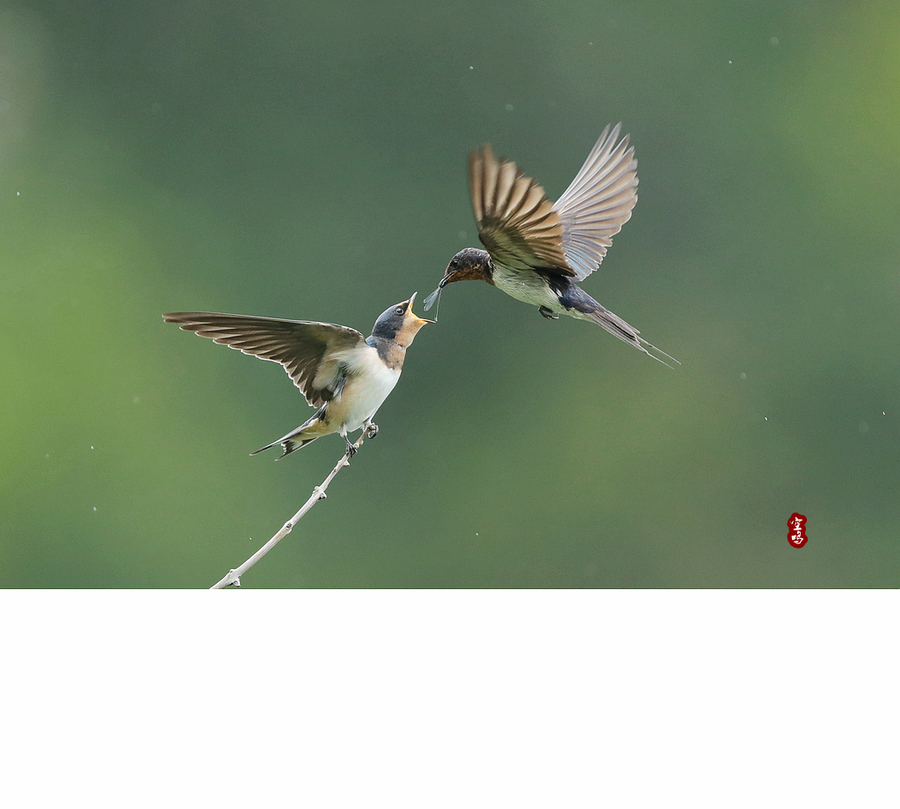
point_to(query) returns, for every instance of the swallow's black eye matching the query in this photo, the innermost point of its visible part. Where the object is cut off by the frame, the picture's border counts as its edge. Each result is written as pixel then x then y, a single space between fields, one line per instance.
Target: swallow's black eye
pixel 454 263
pixel 398 310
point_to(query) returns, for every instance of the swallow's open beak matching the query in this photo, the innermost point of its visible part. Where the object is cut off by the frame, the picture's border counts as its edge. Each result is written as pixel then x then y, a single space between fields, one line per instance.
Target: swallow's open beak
pixel 409 310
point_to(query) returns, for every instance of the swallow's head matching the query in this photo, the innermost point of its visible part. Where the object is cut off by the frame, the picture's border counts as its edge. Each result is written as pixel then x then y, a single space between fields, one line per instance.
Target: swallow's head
pixel 470 264
pixel 399 323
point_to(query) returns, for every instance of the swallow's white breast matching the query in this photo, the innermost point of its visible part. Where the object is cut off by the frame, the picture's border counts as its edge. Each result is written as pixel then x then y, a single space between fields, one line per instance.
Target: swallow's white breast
pixel 526 286
pixel 369 383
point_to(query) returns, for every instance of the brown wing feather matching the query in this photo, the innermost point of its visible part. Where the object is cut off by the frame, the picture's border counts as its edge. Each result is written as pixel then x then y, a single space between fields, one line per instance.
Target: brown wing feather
pixel 516 221
pixel 298 345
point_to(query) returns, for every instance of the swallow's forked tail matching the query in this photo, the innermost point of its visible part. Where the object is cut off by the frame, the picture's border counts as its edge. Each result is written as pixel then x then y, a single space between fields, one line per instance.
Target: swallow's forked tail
pixel 624 331
pixel 288 445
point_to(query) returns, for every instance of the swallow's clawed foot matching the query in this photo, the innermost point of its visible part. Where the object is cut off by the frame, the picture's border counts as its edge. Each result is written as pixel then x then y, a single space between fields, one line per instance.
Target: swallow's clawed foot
pixel 547 313
pixel 371 430
pixel 351 450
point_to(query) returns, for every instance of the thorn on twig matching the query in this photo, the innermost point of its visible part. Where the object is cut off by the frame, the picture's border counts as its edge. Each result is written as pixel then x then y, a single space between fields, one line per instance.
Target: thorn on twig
pixel 320 495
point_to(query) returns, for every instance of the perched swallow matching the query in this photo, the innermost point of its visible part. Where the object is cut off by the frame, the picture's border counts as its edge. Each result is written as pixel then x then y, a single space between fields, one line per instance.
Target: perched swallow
pixel 345 375
pixel 536 249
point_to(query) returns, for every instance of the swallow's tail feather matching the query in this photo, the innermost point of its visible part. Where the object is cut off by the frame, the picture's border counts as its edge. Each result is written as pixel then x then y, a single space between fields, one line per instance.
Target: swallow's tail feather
pixel 288 445
pixel 580 301
pixel 626 332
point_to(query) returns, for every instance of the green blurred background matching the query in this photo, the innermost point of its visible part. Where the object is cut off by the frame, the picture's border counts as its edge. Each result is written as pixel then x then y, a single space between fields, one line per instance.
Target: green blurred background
pixel 308 161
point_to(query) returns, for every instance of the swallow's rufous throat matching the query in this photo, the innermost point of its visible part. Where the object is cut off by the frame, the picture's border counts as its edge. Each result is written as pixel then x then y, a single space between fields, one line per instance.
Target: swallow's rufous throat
pixel 536 249
pixel 340 372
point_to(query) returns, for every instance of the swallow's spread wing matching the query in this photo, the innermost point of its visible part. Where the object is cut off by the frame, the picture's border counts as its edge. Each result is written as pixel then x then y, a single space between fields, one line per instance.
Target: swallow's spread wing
pixel 305 348
pixel 522 229
pixel 598 202
pixel 516 221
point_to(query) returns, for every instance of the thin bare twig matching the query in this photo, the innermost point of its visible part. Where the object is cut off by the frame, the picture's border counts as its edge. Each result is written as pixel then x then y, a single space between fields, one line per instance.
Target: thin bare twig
pixel 233 577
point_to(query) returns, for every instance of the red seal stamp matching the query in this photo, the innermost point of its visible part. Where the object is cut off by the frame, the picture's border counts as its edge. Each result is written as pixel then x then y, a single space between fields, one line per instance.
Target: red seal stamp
pixel 797 530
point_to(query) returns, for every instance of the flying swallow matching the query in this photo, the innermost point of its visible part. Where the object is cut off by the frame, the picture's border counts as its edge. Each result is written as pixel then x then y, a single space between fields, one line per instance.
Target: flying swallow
pixel 340 372
pixel 537 249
